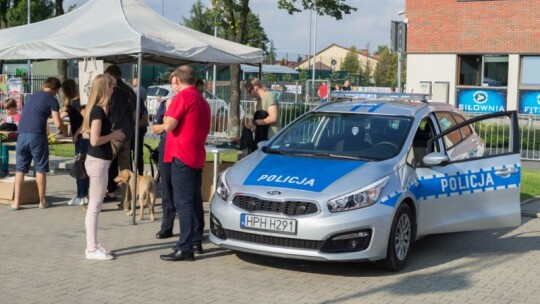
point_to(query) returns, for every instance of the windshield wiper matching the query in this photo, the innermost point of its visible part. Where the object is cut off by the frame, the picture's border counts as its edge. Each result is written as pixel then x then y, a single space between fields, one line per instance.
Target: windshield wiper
pixel 273 151
pixel 352 157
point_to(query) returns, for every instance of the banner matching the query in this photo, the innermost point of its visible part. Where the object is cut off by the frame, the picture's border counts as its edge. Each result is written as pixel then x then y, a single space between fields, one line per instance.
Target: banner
pixel 89 68
pixel 481 100
pixel 529 102
pixel 14 88
pixel 3 86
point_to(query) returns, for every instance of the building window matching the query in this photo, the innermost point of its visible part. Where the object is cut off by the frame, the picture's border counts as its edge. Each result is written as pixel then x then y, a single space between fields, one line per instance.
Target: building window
pixel 486 70
pixel 530 71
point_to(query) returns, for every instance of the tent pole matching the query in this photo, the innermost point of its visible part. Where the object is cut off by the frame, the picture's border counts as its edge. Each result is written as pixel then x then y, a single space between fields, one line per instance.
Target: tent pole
pixel 137 143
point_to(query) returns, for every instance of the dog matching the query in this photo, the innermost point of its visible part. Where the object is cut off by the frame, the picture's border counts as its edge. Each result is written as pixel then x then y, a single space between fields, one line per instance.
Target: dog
pixel 146 191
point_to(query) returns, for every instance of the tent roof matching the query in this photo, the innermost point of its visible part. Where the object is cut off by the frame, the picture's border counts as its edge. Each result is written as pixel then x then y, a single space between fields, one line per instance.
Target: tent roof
pixel 118 31
pixel 268 68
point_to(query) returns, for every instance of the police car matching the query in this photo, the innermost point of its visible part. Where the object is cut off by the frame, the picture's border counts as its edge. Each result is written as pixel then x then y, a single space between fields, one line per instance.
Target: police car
pixel 361 180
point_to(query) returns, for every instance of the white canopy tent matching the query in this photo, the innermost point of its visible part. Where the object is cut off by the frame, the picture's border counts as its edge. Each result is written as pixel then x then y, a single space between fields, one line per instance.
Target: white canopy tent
pixel 117 31
pixel 120 31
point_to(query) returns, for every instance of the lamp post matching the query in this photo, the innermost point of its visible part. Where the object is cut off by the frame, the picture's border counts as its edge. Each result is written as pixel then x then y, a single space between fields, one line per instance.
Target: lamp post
pixel 29 68
pixel 400 49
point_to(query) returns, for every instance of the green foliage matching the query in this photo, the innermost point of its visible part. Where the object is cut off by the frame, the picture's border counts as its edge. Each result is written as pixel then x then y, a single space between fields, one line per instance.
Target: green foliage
pixel 269 77
pixel 303 76
pixel 333 8
pixel 256 37
pixel 270 56
pixel 350 64
pixel 200 19
pixel 39 10
pixel 386 70
pixel 530 184
pixel 287 77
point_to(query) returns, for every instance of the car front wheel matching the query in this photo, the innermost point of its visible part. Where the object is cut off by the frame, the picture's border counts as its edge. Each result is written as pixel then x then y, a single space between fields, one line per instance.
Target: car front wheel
pixel 400 240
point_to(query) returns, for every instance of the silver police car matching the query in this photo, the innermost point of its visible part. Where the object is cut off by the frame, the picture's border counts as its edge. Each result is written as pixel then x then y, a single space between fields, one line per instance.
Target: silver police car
pixel 361 180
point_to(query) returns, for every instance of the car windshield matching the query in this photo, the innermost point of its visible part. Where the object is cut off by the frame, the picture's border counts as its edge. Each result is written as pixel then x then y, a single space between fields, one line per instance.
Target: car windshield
pixel 338 135
pixel 157 91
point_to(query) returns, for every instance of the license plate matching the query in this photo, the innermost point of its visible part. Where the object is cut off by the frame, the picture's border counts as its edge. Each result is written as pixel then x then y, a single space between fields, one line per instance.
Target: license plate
pixel 265 223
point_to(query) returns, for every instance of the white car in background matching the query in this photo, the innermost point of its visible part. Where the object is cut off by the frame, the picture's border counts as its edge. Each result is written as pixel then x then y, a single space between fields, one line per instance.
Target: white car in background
pixel 218 106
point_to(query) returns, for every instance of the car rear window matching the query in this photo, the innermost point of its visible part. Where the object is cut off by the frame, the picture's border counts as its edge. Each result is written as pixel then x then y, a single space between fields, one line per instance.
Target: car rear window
pixel 157 91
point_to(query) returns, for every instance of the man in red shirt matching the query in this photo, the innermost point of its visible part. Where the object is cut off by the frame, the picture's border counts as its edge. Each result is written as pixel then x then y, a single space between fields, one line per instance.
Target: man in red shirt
pixel 323 92
pixel 187 122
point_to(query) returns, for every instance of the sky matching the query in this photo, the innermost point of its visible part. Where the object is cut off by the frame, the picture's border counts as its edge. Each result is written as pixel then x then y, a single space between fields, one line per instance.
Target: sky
pixel 368 27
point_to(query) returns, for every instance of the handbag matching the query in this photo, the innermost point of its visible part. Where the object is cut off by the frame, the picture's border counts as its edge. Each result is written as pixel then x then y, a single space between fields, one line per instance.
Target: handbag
pixel 78 171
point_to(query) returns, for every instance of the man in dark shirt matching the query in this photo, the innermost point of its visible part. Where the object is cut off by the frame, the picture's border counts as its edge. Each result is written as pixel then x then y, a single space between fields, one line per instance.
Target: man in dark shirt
pixel 122 117
pixel 32 142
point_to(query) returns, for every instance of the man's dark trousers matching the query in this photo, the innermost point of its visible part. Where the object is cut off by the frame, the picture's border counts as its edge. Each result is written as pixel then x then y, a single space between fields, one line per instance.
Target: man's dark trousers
pixel 167 203
pixel 187 196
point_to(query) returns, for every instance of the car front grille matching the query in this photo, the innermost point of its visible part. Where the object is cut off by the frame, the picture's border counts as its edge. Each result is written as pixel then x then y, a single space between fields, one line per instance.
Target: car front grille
pixel 251 204
pixel 272 240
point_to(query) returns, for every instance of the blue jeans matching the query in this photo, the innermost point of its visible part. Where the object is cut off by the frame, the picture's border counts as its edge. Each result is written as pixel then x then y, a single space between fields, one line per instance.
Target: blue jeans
pixel 81 146
pixel 187 196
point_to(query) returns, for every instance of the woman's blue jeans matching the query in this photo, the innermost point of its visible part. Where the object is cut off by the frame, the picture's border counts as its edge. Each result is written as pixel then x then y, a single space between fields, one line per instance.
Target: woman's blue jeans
pixel 81 146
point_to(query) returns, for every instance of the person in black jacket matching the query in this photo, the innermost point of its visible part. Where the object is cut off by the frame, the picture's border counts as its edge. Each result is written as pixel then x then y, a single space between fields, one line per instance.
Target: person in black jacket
pixel 122 117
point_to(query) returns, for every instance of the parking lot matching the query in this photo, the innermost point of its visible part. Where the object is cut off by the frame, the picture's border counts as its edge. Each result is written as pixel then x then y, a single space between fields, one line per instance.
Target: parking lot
pixel 42 261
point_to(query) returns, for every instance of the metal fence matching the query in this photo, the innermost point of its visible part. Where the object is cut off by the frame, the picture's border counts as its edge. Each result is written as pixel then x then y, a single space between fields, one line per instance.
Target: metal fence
pixel 529 125
pixel 495 132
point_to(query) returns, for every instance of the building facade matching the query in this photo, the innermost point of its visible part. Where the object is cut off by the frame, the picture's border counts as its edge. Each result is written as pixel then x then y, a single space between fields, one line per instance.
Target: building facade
pixel 331 58
pixel 480 55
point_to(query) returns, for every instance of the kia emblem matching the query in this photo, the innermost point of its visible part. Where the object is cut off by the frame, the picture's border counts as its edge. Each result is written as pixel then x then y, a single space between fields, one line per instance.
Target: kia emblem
pixel 274 192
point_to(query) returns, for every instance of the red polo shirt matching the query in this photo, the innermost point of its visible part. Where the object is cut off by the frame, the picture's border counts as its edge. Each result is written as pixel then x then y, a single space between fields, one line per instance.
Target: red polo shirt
pixel 186 142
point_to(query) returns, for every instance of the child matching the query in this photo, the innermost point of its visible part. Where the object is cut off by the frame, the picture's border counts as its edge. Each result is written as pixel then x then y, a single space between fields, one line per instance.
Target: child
pixel 13 117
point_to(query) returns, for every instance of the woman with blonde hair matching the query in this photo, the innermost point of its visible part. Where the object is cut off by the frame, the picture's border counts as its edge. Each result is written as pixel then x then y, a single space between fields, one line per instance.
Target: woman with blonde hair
pixel 97 127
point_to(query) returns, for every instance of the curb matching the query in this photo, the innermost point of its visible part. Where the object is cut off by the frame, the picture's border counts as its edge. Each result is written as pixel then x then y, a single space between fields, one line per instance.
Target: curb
pixel 532 212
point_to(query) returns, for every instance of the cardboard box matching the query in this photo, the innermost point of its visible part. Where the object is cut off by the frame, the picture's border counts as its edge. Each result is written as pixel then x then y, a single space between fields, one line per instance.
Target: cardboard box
pixel 207 178
pixel 29 191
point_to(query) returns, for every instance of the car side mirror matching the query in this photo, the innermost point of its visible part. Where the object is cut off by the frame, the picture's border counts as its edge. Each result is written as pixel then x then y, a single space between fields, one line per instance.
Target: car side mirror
pixel 261 144
pixel 435 159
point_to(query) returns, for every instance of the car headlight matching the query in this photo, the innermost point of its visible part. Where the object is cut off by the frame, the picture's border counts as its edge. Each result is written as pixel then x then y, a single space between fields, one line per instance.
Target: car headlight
pixel 222 190
pixel 364 197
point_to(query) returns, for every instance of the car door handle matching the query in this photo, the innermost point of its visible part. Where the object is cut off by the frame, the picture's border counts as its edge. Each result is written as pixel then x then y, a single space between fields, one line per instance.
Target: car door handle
pixel 505 172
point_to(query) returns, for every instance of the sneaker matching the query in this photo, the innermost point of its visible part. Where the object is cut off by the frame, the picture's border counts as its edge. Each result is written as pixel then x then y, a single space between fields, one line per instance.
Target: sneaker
pixel 99 247
pixel 99 254
pixel 70 203
pixel 76 201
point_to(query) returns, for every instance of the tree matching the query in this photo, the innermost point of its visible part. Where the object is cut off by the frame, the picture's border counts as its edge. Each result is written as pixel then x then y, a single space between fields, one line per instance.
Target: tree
pixel 204 20
pixel 365 74
pixel 269 78
pixel 61 65
pixel 15 13
pixel 200 19
pixel 233 15
pixel 39 10
pixel 270 57
pixel 350 63
pixel 386 70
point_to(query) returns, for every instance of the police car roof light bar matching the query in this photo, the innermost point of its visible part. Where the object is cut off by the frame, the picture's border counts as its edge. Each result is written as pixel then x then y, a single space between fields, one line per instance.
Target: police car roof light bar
pixel 356 95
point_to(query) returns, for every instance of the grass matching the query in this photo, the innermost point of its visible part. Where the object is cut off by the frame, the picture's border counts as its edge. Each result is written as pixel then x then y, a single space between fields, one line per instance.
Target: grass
pixel 530 184
pixel 67 150
pixel 530 179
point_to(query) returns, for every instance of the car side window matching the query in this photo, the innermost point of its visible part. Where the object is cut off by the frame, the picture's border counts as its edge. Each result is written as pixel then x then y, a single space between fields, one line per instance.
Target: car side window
pixel 420 142
pixel 465 130
pixel 447 121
